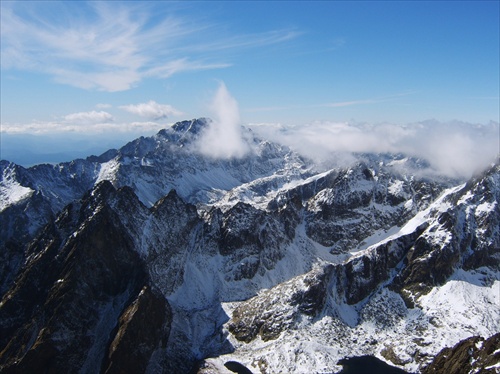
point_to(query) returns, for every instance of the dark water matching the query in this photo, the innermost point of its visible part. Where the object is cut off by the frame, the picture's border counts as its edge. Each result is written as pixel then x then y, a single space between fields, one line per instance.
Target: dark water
pixel 367 365
pixel 236 367
pixel 351 365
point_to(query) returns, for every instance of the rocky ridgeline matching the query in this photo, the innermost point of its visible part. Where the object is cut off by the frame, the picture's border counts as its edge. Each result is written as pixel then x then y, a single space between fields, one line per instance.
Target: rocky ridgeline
pixel 80 300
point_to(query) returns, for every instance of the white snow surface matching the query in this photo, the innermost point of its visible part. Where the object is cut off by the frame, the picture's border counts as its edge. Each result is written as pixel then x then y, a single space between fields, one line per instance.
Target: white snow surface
pixel 11 191
pixel 108 171
pixel 467 305
pixel 440 205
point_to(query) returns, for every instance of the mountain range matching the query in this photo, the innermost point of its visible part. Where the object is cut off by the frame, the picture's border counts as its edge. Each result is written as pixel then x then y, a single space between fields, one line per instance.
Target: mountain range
pixel 156 257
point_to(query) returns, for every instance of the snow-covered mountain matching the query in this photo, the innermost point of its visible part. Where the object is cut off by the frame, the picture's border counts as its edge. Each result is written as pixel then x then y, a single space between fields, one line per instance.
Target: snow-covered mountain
pixel 151 167
pixel 157 258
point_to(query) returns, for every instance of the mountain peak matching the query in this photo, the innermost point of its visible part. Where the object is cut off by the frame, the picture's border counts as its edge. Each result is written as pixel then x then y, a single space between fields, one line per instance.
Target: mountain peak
pixel 184 131
pixel 193 126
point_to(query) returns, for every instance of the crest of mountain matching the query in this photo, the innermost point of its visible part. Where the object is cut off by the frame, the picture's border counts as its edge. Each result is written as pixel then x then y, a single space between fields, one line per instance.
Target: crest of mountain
pixel 150 166
pixel 153 258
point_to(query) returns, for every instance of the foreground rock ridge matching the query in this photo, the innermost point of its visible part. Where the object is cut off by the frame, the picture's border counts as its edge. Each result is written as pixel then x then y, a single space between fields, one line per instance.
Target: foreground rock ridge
pixel 156 259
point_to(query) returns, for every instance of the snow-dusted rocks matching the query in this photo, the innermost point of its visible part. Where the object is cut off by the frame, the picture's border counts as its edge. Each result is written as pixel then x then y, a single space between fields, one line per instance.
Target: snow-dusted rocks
pixel 275 310
pixel 155 258
pixel 11 191
pixel 472 355
pixel 378 302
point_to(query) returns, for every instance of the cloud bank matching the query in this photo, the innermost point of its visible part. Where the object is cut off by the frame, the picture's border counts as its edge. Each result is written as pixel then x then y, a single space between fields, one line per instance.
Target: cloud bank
pixel 456 149
pixel 89 117
pixel 223 138
pixel 152 110
pixel 75 126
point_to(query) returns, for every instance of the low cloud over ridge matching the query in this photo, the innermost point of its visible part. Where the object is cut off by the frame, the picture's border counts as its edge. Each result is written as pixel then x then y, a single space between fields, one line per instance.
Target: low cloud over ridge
pixel 456 149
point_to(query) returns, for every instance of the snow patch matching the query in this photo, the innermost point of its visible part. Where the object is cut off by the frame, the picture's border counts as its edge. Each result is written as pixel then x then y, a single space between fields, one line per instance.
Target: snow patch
pixel 485 208
pixel 460 305
pixel 108 171
pixel 11 191
pixel 376 238
pixel 396 187
pixel 440 205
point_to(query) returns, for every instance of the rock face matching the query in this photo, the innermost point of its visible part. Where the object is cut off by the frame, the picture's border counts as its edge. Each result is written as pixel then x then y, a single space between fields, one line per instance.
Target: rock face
pixel 143 328
pixel 276 310
pixel 464 232
pixel 153 258
pixel 74 292
pixel 473 355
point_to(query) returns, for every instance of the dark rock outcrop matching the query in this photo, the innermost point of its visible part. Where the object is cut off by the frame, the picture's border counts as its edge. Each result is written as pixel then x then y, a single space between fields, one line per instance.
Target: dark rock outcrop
pixel 279 308
pixel 472 355
pixel 143 328
pixel 65 308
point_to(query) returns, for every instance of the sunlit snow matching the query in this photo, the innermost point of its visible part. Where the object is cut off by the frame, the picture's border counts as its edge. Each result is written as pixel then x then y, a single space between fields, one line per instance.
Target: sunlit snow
pixel 11 191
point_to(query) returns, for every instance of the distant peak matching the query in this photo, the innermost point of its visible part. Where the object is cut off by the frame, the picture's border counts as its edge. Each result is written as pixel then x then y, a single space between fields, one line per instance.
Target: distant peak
pixel 185 131
pixel 192 126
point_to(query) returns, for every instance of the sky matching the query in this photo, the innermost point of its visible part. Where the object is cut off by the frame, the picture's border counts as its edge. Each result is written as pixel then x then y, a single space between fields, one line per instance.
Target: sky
pixel 88 75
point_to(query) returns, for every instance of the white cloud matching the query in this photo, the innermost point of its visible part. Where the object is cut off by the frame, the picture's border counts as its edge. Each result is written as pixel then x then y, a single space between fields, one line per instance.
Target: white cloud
pixel 456 149
pixel 112 46
pixel 103 106
pixel 89 117
pixel 180 65
pixel 152 110
pixel 223 138
pixel 65 127
pixel 376 100
pixel 350 103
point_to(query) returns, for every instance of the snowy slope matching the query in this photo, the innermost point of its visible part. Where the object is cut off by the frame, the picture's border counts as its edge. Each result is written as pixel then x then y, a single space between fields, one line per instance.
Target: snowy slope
pixel 11 191
pixel 383 323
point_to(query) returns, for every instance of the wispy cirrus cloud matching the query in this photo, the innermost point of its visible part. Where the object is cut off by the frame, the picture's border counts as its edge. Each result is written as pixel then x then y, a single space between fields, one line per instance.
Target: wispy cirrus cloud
pixel 113 46
pixel 181 65
pixel 152 110
pixel 375 100
pixel 341 104
pixel 103 106
pixel 336 104
pixel 249 40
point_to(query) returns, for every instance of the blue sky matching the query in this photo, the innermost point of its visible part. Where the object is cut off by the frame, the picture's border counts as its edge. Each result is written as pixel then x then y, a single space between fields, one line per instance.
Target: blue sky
pixel 129 67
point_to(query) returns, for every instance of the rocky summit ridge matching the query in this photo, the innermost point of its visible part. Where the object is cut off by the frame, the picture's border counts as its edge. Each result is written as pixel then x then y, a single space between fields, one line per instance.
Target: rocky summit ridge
pixel 155 258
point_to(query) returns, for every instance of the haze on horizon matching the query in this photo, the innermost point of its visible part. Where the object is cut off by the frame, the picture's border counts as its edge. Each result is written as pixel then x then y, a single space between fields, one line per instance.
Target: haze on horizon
pixel 81 77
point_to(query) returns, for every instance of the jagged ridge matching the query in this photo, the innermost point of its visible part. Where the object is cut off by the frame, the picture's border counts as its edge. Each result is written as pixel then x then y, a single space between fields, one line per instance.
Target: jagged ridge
pixel 353 259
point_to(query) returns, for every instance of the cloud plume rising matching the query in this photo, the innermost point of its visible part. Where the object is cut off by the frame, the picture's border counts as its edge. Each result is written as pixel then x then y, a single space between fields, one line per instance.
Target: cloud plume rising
pixel 223 138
